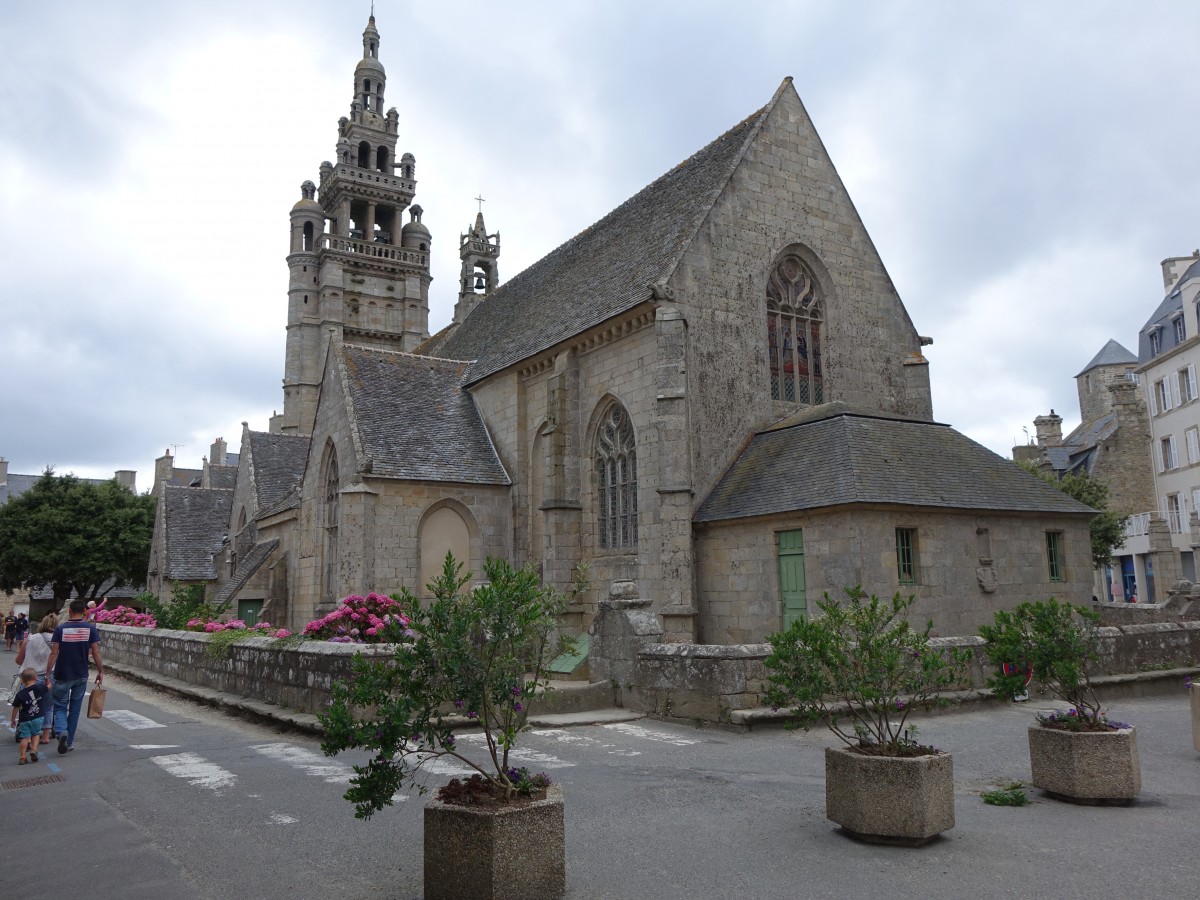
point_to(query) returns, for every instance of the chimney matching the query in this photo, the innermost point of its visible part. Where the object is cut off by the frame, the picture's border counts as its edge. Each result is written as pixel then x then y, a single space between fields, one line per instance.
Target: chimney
pixel 3 470
pixel 164 470
pixel 1025 453
pixel 216 453
pixel 1173 268
pixel 126 478
pixel 1049 430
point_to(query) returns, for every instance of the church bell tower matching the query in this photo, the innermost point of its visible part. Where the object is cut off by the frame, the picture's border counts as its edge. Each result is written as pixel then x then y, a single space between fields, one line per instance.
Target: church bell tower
pixel 479 252
pixel 357 272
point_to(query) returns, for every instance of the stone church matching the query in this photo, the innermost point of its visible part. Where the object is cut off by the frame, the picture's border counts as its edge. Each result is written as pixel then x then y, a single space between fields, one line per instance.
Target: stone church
pixel 713 397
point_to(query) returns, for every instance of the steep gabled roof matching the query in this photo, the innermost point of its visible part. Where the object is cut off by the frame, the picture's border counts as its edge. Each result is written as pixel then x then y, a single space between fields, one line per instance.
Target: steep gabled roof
pixel 196 522
pixel 852 457
pixel 278 461
pixel 413 418
pixel 249 564
pixel 606 269
pixel 1111 354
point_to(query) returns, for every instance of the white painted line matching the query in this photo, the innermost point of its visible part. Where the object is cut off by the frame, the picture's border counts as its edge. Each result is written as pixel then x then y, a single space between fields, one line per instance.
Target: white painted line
pixel 281 819
pixel 646 734
pixel 308 762
pixel 564 736
pixel 127 718
pixel 445 765
pixel 522 755
pixel 153 746
pixel 197 770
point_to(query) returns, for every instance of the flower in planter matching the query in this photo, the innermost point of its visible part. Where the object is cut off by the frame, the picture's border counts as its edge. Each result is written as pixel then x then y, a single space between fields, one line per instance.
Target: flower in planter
pixel 861 661
pixel 485 650
pixel 1058 643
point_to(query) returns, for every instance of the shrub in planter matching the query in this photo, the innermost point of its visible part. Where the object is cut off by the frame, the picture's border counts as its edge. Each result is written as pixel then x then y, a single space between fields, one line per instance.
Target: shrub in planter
pixel 373 619
pixel 1077 753
pixel 124 615
pixel 861 669
pixel 477 655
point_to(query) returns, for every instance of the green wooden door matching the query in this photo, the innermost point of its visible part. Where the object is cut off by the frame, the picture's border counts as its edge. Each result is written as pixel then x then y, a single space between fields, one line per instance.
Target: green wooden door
pixel 791 576
pixel 249 611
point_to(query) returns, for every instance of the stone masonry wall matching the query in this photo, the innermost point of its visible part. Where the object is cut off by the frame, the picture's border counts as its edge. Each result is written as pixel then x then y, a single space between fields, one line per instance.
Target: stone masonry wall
pixel 297 677
pixel 738 570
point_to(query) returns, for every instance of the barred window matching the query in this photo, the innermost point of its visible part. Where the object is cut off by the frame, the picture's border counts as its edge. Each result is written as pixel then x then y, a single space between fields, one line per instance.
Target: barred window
pixel 616 480
pixel 1054 554
pixel 794 315
pixel 906 555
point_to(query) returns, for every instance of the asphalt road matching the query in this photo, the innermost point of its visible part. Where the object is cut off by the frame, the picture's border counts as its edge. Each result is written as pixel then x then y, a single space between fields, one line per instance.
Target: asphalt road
pixel 166 799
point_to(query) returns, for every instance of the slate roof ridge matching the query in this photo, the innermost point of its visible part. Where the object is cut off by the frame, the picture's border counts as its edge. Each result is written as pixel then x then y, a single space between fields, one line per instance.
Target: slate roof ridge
pixel 836 409
pixel 339 361
pixel 706 208
pixel 423 357
pixel 1111 354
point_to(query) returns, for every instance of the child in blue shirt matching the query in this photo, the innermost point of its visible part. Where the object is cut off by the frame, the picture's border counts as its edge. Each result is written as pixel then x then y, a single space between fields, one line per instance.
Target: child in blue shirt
pixel 27 708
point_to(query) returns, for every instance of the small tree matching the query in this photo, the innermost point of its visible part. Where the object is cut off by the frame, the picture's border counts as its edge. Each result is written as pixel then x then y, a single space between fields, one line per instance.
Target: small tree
pixel 862 659
pixel 1108 528
pixel 480 653
pixel 1058 643
pixel 67 534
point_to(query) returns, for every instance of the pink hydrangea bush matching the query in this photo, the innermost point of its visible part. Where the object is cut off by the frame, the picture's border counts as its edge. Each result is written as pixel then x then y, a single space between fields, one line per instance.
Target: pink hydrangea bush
pixel 126 615
pixel 373 619
pixel 262 629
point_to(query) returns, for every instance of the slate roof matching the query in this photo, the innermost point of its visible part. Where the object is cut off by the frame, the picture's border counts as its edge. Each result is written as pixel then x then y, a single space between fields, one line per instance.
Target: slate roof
pixel 222 476
pixel 248 565
pixel 604 270
pixel 1111 354
pixel 414 419
pixel 290 500
pixel 278 461
pixel 15 486
pixel 196 522
pixel 837 457
pixel 1171 305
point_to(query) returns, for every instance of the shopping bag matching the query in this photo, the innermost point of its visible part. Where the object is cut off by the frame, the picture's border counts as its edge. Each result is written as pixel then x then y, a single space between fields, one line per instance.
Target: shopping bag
pixel 11 691
pixel 96 702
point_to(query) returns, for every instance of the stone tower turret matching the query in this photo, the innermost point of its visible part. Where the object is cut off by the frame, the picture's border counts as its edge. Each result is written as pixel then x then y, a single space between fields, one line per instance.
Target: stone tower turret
pixel 479 252
pixel 1112 365
pixel 351 275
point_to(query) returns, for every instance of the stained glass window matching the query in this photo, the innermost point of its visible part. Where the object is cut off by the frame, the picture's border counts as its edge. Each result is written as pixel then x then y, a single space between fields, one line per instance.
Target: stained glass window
pixel 616 481
pixel 330 522
pixel 794 315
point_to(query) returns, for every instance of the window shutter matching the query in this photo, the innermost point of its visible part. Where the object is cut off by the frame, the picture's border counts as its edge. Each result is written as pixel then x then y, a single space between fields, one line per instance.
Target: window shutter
pixel 1174 455
pixel 1153 400
pixel 1193 445
pixel 1160 456
pixel 1191 376
pixel 1175 390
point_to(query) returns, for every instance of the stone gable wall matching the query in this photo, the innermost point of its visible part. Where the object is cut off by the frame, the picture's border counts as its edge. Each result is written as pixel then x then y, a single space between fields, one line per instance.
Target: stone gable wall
pixel 786 192
pixel 738 574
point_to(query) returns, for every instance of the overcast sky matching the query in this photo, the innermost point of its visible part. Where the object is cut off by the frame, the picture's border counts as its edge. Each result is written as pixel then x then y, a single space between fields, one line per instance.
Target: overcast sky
pixel 1022 167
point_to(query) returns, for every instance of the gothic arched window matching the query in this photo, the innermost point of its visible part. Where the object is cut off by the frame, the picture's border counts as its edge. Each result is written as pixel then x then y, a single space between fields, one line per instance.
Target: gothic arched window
pixel 330 495
pixel 615 458
pixel 794 315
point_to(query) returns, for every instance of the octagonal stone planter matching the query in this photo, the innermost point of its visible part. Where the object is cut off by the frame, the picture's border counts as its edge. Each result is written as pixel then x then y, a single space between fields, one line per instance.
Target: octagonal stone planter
pixel 1085 766
pixel 508 851
pixel 888 799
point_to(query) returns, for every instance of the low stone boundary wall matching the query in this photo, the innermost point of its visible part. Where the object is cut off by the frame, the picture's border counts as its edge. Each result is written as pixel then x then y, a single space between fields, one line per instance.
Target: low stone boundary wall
pixel 296 676
pixel 710 681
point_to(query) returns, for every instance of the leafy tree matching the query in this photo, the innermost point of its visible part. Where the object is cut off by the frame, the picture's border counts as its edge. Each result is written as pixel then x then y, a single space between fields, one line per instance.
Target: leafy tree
pixel 1108 528
pixel 64 533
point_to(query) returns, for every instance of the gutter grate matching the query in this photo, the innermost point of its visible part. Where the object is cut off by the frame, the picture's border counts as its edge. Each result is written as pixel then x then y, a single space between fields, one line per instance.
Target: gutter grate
pixel 30 782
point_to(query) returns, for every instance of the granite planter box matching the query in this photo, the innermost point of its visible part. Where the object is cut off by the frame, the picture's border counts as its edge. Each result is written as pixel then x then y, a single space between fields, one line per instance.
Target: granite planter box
pixel 889 799
pixel 1195 695
pixel 1085 766
pixel 508 851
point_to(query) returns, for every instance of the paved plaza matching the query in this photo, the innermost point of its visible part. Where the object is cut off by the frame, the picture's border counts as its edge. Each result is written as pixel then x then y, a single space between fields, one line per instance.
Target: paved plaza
pixel 165 798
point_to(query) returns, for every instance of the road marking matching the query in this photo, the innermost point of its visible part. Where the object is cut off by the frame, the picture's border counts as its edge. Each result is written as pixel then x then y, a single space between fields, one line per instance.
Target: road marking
pixel 563 736
pixel 521 755
pixel 197 770
pixel 153 746
pixel 444 765
pixel 52 767
pixel 127 718
pixel 281 819
pixel 307 761
pixel 646 734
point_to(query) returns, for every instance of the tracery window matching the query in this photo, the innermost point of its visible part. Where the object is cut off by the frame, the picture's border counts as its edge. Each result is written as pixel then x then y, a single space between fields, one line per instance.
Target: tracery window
pixel 616 480
pixel 330 497
pixel 794 316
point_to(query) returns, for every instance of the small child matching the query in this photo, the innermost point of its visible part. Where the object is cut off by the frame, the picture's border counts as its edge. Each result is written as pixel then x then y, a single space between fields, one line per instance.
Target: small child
pixel 28 705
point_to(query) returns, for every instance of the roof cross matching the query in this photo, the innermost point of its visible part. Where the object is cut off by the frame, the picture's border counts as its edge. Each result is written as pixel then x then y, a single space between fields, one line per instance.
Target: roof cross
pixel 481 201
